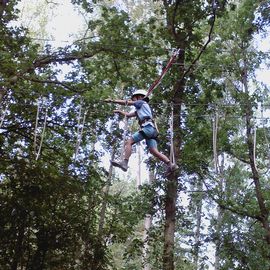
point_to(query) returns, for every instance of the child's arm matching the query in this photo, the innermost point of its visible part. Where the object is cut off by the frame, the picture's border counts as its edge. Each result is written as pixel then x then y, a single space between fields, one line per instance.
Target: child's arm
pixel 127 114
pixel 120 101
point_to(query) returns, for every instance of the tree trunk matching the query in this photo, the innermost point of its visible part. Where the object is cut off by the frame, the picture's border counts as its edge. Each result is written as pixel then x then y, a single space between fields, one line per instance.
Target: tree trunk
pixel 172 183
pixel 264 213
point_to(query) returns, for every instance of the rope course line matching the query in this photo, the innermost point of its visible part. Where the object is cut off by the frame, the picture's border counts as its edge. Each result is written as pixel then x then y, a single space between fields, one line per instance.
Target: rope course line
pixel 123 45
pixel 166 105
pixel 186 65
pixel 163 73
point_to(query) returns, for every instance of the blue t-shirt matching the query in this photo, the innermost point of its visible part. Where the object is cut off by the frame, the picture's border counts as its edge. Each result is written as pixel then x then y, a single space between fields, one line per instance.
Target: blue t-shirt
pixel 143 111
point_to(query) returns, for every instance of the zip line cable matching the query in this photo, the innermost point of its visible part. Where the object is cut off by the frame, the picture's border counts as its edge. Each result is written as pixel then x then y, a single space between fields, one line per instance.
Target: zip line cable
pixel 166 105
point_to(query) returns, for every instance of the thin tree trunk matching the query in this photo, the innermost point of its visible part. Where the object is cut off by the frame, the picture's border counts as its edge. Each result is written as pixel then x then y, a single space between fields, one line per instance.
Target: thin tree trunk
pixel 3 91
pixel 106 192
pixel 217 241
pixel 18 246
pixel 147 226
pixel 198 226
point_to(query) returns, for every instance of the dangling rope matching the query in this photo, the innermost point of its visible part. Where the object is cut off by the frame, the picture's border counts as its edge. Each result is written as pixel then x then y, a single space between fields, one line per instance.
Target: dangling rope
pixel 36 127
pixel 265 136
pixel 3 116
pixel 42 134
pixel 172 156
pixel 80 128
pixel 139 172
pixel 164 71
pixel 254 145
pixel 124 134
pixel 215 132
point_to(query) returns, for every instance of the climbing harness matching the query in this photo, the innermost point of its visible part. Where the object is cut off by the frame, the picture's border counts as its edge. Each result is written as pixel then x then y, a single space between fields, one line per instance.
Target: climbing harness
pixel 163 73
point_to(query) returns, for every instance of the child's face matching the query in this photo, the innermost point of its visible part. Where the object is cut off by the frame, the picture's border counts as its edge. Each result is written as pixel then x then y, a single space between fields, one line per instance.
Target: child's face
pixel 137 97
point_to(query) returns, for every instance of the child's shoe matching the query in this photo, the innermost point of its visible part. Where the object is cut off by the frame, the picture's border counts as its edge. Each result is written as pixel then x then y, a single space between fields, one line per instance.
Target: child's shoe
pixel 171 167
pixel 120 164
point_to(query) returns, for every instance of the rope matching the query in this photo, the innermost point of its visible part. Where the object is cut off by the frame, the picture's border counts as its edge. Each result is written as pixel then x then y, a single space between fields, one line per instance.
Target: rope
pixel 36 126
pixel 169 64
pixel 263 125
pixel 254 145
pixel 215 132
pixel 124 135
pixel 139 172
pixel 78 130
pixel 3 116
pixel 42 134
pixel 80 133
pixel 172 156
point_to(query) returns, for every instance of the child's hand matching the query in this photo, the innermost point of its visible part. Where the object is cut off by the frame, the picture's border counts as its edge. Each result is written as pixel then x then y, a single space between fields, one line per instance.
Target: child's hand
pixel 108 100
pixel 117 111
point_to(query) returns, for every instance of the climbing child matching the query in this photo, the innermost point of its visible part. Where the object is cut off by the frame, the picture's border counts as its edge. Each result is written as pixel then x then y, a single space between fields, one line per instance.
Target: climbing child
pixel 147 131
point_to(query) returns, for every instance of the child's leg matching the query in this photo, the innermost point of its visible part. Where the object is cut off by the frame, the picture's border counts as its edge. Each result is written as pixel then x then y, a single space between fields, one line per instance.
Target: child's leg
pixel 123 164
pixel 171 167
pixel 154 151
pixel 128 148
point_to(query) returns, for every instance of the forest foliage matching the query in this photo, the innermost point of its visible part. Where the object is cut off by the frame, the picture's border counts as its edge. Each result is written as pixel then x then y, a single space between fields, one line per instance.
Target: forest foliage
pixel 63 207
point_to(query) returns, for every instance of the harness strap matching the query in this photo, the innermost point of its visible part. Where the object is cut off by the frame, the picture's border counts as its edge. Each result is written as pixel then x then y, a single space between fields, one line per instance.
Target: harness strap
pixel 153 136
pixel 146 119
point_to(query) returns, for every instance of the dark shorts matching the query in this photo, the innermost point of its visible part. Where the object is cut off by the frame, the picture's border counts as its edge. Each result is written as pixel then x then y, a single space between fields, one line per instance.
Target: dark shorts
pixel 148 132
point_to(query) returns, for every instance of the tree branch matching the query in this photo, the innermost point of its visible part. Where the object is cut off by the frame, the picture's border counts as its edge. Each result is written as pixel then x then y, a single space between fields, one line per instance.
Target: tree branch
pixel 204 46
